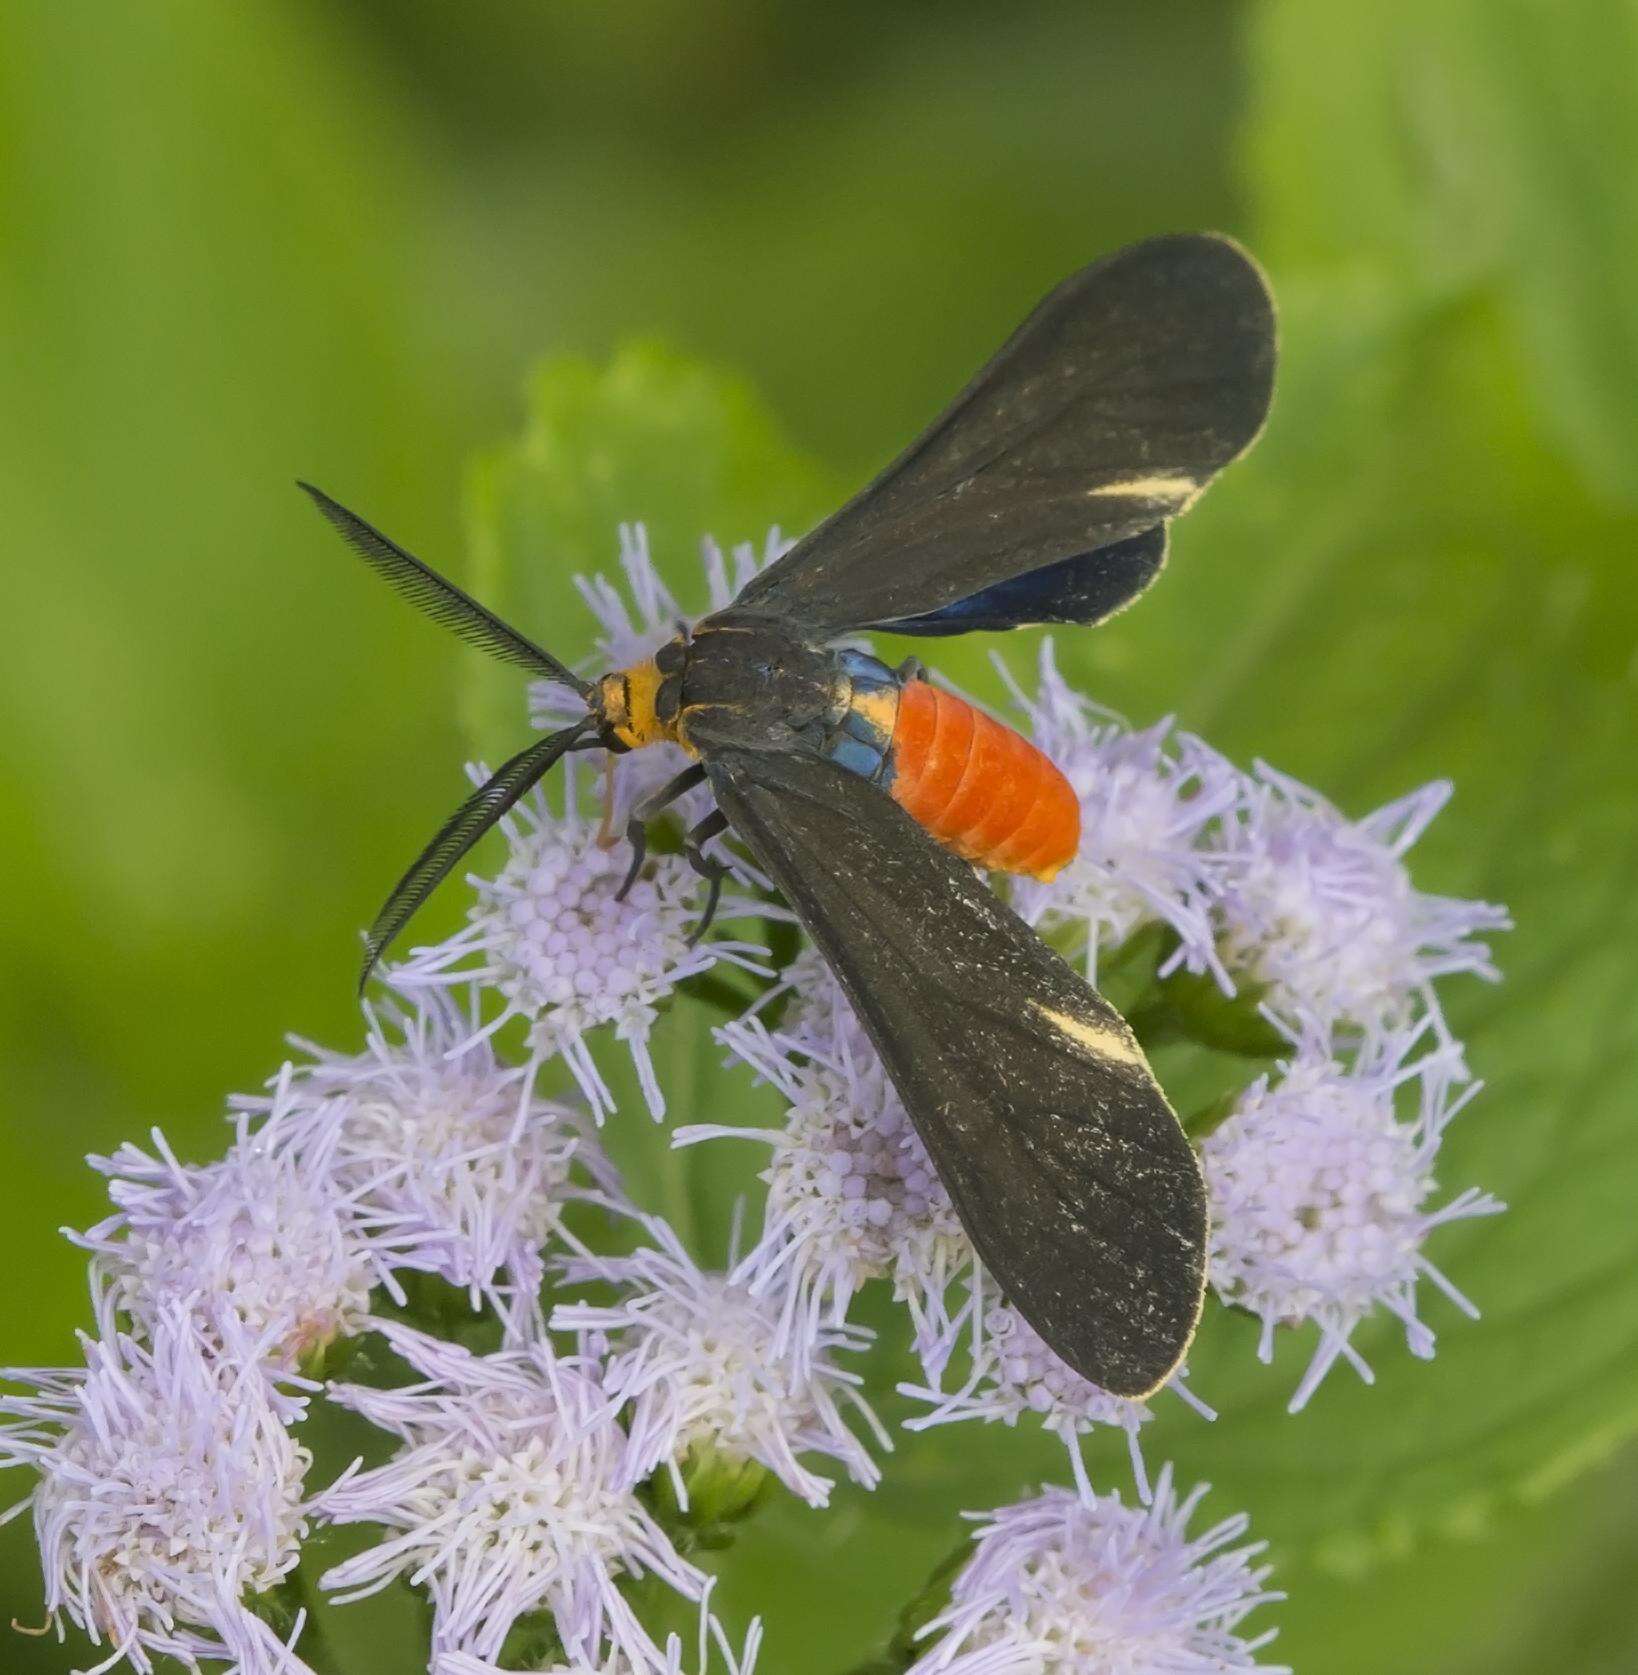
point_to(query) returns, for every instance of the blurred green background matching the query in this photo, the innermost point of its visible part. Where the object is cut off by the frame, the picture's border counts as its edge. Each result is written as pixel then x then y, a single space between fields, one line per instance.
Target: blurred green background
pixel 242 243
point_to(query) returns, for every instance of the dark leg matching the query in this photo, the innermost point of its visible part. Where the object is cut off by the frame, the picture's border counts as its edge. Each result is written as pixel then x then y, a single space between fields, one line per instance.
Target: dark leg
pixel 648 809
pixel 711 870
pixel 912 668
pixel 637 837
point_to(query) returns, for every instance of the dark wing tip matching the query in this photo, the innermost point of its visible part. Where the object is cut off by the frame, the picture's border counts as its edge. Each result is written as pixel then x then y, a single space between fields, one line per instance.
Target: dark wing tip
pixel 1139 1381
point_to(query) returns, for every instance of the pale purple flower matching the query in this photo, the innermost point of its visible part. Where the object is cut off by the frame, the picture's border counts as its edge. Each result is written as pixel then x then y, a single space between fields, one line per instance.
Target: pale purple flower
pixel 1319 1191
pixel 709 1368
pixel 1061 1585
pixel 548 936
pixel 1015 1375
pixel 1321 908
pixel 170 1491
pixel 512 1492
pixel 444 1146
pixel 852 1193
pixel 713 1639
pixel 269 1232
pixel 1147 799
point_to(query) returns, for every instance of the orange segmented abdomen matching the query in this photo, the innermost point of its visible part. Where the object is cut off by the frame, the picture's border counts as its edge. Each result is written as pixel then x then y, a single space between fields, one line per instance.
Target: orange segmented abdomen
pixel 979 787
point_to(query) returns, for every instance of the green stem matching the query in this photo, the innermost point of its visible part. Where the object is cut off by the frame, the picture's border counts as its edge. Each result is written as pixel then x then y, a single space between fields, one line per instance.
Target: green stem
pixel 717 992
pixel 680 1087
pixel 905 1646
pixel 280 1605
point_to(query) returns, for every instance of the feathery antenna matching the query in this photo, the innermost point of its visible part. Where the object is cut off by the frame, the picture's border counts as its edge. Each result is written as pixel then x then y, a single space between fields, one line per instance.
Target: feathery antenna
pixel 460 832
pixel 439 597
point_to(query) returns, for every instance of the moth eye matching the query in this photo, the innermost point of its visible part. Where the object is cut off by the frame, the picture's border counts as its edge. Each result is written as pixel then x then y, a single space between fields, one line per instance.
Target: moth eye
pixel 669 659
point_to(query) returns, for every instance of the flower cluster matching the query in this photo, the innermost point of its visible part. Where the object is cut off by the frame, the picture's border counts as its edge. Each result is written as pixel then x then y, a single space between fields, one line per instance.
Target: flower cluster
pixel 852 1193
pixel 459 1167
pixel 170 1493
pixel 1062 1583
pixel 575 1406
pixel 1259 880
pixel 513 1492
pixel 551 937
pixel 1319 1194
pixel 1320 1173
pixel 710 1368
pixel 1151 803
pixel 271 1234
pixel 1321 911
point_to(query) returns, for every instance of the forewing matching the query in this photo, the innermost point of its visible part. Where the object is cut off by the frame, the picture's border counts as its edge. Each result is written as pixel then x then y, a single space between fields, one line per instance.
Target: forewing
pixel 1106 413
pixel 1066 1165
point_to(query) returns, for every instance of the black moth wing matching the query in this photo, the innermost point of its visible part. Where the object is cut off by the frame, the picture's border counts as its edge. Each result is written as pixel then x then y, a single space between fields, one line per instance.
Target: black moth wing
pixel 1083 590
pixel 1069 1170
pixel 1106 413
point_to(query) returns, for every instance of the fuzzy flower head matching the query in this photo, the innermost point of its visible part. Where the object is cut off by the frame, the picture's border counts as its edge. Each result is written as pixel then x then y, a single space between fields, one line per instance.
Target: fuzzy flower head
pixel 550 938
pixel 1060 1585
pixel 1016 1375
pixel 712 1368
pixel 713 1643
pixel 1322 910
pixel 170 1491
pixel 1319 1195
pixel 636 615
pixel 1146 800
pixel 852 1193
pixel 269 1234
pixel 444 1147
pixel 512 1493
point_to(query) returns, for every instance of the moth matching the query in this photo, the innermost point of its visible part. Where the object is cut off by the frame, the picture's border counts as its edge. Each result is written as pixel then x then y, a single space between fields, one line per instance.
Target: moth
pixel 1043 494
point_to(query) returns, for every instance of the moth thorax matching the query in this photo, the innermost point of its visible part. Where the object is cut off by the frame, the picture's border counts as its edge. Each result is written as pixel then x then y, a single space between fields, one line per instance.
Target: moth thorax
pixel 632 706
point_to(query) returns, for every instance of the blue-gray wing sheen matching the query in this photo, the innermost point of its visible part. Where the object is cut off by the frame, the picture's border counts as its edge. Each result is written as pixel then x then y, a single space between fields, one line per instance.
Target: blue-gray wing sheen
pixel 1105 414
pixel 1066 1165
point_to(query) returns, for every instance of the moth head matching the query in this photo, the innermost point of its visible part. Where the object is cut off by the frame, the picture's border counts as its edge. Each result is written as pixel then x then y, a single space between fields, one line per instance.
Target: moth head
pixel 637 707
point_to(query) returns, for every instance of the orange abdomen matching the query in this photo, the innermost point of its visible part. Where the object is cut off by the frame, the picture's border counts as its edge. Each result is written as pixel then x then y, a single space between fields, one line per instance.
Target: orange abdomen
pixel 979 787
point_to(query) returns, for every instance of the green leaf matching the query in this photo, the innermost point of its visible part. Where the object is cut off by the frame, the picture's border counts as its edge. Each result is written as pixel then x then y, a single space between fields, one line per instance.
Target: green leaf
pixel 1476 141
pixel 1423 572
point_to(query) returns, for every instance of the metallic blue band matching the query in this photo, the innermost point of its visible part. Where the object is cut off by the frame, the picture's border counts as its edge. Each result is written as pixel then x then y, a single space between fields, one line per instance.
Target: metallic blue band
pixel 858 744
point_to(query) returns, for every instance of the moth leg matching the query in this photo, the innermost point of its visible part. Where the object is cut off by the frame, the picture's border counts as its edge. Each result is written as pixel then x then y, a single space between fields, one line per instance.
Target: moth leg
pixel 651 806
pixel 648 809
pixel 637 837
pixel 710 869
pixel 912 668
